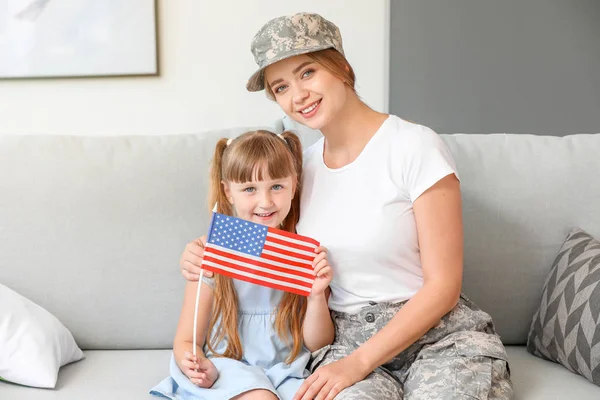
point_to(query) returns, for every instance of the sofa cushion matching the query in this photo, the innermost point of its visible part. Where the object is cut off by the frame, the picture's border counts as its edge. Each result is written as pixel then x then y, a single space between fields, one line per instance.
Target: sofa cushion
pixel 566 327
pixel 103 374
pixel 537 379
pixel 34 343
pixel 106 374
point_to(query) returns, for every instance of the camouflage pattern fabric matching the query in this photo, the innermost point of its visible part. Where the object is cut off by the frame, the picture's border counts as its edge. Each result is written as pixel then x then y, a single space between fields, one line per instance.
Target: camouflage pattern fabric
pixel 462 357
pixel 289 36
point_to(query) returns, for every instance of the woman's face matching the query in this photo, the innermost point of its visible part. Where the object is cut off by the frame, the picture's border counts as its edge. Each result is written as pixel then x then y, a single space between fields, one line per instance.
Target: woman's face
pixel 306 91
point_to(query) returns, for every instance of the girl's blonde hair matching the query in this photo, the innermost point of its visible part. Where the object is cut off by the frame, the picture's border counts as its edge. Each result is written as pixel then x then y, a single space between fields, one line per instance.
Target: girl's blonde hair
pixel 255 155
pixel 334 62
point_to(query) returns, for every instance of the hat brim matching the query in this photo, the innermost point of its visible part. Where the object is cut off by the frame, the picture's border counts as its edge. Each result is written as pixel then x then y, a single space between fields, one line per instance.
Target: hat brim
pixel 257 81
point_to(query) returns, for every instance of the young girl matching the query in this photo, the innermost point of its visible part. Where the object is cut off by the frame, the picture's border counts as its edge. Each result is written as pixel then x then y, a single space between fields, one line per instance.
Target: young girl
pixel 253 342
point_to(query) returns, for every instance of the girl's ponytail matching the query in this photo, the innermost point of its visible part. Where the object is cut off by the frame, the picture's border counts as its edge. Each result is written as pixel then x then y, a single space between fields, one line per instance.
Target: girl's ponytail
pixel 225 306
pixel 293 142
pixel 217 192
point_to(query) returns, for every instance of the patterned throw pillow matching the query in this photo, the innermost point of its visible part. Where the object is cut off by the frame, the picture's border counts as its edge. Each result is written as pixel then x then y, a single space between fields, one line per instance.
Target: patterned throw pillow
pixel 566 328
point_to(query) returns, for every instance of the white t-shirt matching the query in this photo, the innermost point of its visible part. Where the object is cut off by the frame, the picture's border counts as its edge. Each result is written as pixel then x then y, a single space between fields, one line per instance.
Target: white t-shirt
pixel 363 212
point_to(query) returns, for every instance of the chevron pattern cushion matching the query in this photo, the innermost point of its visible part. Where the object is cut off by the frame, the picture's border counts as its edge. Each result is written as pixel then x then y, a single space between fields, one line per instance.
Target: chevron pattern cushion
pixel 566 327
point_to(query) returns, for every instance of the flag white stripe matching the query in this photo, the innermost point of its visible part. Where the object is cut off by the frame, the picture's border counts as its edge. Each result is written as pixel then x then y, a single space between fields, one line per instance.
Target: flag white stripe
pixel 290 240
pixel 286 257
pixel 258 277
pixel 291 249
pixel 262 269
pixel 264 260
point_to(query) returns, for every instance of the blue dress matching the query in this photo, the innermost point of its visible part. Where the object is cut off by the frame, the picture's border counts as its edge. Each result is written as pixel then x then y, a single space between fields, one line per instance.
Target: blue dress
pixel 263 364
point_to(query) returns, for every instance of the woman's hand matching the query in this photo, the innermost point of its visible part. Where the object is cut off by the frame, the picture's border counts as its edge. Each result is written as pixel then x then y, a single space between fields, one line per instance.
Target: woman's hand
pixel 323 272
pixel 328 381
pixel 201 371
pixel 191 260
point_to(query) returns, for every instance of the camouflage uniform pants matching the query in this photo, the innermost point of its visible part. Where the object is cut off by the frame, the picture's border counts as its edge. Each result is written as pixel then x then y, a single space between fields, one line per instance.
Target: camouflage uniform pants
pixel 460 358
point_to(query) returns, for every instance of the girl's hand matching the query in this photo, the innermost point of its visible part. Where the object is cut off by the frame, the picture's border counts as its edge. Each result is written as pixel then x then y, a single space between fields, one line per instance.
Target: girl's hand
pixel 328 381
pixel 323 272
pixel 191 260
pixel 202 372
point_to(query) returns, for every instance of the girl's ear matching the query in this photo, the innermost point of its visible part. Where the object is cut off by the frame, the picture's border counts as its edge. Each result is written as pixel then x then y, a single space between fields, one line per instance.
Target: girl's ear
pixel 227 191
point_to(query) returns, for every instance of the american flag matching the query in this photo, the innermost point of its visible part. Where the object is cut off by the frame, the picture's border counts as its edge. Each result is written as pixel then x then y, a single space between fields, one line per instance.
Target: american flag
pixel 259 254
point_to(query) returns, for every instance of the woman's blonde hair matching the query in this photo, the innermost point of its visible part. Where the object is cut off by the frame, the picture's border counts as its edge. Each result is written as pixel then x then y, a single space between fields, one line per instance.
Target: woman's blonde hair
pixel 334 62
pixel 255 155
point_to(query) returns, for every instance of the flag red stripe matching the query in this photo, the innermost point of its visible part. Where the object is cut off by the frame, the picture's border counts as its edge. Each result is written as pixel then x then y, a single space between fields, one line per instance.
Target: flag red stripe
pixel 258 273
pixel 210 249
pixel 271 257
pixel 289 253
pixel 256 281
pixel 255 260
pixel 290 244
pixel 294 236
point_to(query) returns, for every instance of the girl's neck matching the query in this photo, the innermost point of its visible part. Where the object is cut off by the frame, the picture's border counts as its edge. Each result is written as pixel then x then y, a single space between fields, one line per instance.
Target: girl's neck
pixel 350 131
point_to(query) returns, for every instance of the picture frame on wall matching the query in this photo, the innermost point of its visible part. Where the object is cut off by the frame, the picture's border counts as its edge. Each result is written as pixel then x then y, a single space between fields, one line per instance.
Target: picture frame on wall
pixel 78 38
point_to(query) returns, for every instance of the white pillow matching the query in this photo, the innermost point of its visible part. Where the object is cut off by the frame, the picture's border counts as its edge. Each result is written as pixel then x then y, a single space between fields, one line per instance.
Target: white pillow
pixel 34 344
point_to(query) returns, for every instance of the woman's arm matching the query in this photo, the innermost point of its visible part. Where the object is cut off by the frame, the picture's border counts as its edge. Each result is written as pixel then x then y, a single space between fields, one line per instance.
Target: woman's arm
pixel 438 216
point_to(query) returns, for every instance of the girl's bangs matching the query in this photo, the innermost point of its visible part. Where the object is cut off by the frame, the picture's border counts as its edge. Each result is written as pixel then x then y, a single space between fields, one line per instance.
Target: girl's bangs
pixel 261 161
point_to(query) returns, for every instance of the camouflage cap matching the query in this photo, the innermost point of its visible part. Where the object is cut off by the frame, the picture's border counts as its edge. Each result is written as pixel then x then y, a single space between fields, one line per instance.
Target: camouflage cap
pixel 289 36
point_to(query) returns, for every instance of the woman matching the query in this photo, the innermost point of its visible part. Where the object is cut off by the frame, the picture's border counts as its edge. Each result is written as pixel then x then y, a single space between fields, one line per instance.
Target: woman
pixel 383 195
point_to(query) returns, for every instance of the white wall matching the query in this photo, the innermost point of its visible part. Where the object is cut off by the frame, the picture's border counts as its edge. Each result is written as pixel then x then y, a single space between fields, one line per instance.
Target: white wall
pixel 205 60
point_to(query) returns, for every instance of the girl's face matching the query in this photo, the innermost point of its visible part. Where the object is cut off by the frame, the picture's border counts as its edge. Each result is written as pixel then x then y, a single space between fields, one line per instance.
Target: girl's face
pixel 265 202
pixel 306 91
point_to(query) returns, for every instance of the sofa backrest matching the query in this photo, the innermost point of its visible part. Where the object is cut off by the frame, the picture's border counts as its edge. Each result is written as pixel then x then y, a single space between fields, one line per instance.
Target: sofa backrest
pixel 92 228
pixel 522 194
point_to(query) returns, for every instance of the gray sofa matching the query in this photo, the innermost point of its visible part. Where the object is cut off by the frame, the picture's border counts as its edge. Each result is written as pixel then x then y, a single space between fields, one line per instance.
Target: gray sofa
pixel 91 228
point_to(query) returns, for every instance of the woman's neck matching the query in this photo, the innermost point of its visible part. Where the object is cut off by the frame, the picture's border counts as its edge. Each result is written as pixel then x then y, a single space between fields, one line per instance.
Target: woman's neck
pixel 350 131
